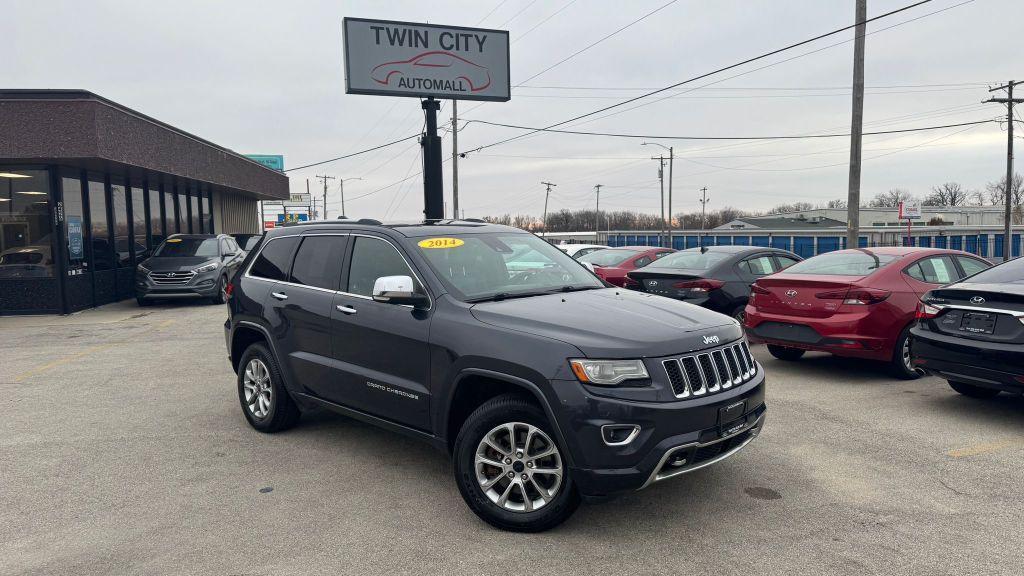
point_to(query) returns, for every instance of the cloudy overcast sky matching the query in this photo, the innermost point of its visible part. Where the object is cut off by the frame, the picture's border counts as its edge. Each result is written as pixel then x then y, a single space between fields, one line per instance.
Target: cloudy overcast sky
pixel 267 77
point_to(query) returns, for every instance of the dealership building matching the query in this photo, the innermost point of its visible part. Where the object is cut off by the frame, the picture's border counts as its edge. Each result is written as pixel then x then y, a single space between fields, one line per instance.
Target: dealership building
pixel 89 187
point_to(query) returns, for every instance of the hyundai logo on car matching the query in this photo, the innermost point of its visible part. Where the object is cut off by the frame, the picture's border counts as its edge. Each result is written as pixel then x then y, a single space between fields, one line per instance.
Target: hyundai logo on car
pixel 791 293
pixel 977 300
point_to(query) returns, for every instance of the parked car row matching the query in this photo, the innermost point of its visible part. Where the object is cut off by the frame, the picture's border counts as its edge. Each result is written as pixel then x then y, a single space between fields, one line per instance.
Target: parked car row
pixel 919 310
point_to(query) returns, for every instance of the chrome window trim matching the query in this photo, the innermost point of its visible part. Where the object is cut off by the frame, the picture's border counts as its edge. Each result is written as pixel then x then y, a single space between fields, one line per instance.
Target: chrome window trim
pixel 336 292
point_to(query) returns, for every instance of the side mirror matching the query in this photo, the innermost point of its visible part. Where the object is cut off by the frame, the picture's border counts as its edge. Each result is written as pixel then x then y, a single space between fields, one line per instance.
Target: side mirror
pixel 399 290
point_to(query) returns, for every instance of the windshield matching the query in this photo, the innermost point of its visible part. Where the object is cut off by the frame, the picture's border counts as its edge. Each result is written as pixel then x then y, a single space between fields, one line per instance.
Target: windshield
pixel 503 265
pixel 692 260
pixel 609 257
pixel 175 247
pixel 1011 272
pixel 859 263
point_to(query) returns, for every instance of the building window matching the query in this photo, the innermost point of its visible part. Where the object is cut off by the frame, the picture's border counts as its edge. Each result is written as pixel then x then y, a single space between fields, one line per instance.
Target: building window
pixel 169 213
pixel 140 240
pixel 182 213
pixel 156 218
pixel 102 249
pixel 122 236
pixel 25 224
pixel 196 224
pixel 208 212
pixel 74 224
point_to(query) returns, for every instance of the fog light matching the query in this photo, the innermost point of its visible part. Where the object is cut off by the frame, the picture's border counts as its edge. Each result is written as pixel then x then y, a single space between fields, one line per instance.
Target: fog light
pixel 205 283
pixel 677 461
pixel 619 434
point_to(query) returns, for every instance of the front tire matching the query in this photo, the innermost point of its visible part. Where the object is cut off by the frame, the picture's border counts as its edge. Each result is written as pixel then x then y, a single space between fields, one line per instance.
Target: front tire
pixel 972 391
pixel 221 296
pixel 265 403
pixel 785 353
pixel 509 468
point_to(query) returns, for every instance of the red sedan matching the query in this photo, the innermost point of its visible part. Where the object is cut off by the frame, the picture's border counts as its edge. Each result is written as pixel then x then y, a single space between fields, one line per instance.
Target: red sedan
pixel 859 303
pixel 612 264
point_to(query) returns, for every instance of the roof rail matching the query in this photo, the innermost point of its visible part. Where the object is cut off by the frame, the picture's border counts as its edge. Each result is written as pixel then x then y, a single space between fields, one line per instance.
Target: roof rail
pixel 369 221
pixel 481 221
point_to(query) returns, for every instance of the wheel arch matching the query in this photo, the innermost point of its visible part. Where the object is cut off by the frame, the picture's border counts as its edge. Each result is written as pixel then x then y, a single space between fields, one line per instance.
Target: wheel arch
pixel 474 386
pixel 244 335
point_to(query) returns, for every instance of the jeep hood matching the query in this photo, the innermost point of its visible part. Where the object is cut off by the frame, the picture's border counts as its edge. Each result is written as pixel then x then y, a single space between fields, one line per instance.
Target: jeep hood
pixel 613 323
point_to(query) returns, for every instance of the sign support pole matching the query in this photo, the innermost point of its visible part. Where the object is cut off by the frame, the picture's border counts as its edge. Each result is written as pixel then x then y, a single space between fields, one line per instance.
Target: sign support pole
pixel 433 184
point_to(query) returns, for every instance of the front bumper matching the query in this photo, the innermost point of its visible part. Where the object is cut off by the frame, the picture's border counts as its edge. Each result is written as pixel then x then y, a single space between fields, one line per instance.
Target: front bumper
pixel 984 364
pixel 674 437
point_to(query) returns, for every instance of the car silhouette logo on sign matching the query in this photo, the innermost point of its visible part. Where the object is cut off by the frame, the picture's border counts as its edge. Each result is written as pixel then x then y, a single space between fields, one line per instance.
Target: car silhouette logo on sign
pixel 977 300
pixel 791 293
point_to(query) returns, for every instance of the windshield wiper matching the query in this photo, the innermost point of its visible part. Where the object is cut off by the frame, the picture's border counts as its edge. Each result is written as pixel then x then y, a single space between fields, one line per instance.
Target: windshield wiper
pixel 505 296
pixel 575 288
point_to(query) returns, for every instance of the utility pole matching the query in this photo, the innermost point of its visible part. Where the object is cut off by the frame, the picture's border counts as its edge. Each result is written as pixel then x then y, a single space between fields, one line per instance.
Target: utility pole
pixel 341 186
pixel 325 179
pixel 1008 187
pixel 455 159
pixel 703 206
pixel 671 158
pixel 856 127
pixel 661 178
pixel 597 216
pixel 547 193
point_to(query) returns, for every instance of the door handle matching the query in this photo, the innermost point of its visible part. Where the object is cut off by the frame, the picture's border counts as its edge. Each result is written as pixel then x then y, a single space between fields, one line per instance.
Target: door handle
pixel 346 309
pixel 279 295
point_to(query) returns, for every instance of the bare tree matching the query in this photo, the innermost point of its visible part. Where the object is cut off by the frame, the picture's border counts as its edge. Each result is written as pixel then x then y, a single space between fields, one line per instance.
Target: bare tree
pixel 996 191
pixel 948 194
pixel 838 203
pixel 891 199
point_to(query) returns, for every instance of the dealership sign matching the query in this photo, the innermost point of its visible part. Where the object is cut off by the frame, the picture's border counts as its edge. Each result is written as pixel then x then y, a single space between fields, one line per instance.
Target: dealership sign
pixel 272 161
pixel 423 60
pixel 909 210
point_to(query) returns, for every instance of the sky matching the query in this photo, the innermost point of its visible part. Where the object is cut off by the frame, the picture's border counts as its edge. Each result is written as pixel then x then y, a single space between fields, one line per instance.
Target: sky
pixel 266 77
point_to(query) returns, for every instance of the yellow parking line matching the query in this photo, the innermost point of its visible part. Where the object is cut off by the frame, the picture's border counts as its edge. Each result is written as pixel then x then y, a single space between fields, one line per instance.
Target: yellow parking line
pixel 985 448
pixel 58 362
pixel 165 323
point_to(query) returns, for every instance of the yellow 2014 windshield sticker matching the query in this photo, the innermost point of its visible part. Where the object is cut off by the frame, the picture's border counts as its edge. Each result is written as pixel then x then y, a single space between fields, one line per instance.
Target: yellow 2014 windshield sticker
pixel 172 240
pixel 440 243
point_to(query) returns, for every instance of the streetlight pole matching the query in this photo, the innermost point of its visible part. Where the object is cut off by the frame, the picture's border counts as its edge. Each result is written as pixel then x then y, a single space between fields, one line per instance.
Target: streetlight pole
pixel 547 193
pixel 597 216
pixel 341 186
pixel 671 158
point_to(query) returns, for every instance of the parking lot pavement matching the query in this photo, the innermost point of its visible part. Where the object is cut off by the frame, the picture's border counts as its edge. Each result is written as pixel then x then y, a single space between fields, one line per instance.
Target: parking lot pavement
pixel 123 451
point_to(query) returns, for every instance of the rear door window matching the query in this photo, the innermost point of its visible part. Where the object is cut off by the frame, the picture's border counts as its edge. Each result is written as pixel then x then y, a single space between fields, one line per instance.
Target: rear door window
pixel 934 270
pixel 318 261
pixel 275 259
pixel 642 261
pixel 971 266
pixel 758 266
pixel 784 262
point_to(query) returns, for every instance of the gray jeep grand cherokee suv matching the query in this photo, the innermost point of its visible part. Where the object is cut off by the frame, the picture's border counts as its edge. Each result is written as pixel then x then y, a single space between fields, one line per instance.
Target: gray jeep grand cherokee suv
pixel 545 385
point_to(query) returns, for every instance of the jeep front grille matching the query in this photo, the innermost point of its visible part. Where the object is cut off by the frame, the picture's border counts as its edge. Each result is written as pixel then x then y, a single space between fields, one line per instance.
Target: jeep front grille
pixel 711 371
pixel 171 278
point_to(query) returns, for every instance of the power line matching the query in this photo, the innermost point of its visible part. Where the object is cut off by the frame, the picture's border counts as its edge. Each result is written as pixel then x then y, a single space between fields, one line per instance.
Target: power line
pixel 780 88
pixel 538 24
pixel 493 10
pixel 516 15
pixel 354 153
pixel 778 137
pixel 707 74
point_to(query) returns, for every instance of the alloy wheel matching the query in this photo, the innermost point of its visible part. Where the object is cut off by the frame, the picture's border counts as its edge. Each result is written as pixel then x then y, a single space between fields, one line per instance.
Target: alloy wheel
pixel 908 361
pixel 258 391
pixel 518 467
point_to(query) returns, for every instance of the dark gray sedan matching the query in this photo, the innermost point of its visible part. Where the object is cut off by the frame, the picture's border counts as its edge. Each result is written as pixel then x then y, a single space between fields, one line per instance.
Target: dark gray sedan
pixel 715 277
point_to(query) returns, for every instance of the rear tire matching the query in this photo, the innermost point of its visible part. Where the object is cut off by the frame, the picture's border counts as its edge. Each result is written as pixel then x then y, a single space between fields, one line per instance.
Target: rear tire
pixel 266 404
pixel 484 486
pixel 142 302
pixel 901 364
pixel 973 391
pixel 785 353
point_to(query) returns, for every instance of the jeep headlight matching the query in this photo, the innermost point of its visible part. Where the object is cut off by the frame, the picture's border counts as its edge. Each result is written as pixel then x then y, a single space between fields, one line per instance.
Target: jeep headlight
pixel 210 267
pixel 608 372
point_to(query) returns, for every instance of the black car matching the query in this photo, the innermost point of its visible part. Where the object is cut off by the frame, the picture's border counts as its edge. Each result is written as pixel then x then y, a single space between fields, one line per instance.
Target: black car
pixel 247 241
pixel 715 277
pixel 972 332
pixel 544 385
pixel 188 266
